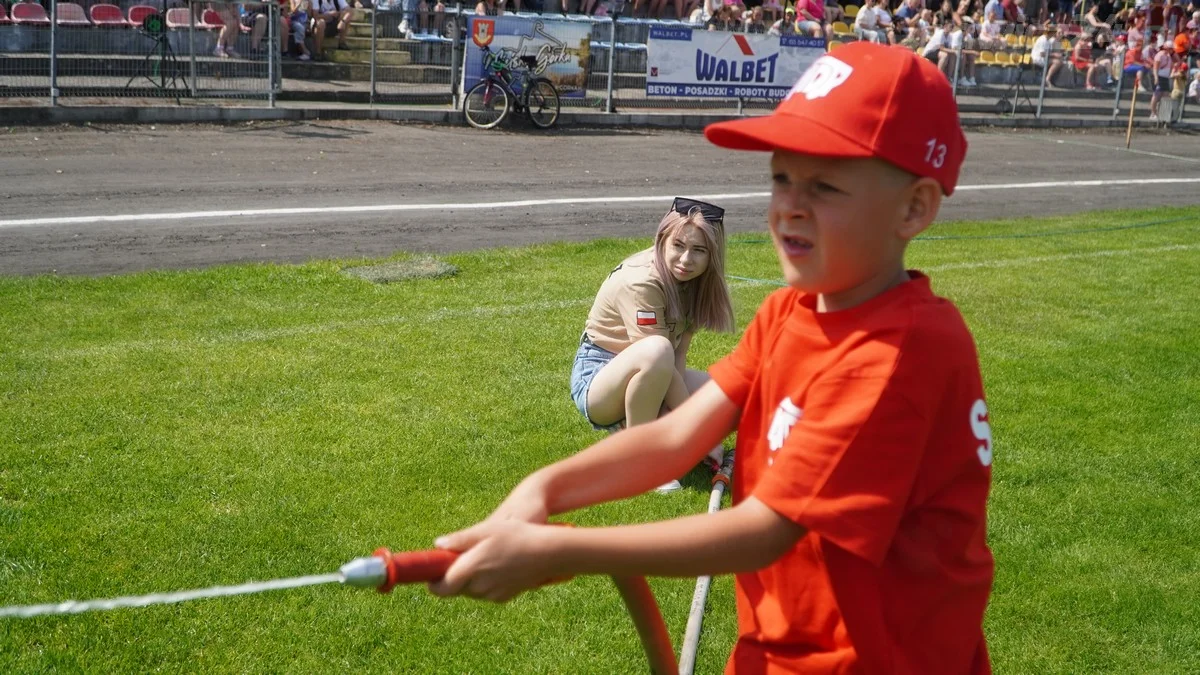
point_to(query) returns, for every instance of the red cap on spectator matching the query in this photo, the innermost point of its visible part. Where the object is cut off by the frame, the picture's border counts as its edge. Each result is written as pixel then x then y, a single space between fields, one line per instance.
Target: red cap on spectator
pixel 1182 44
pixel 865 100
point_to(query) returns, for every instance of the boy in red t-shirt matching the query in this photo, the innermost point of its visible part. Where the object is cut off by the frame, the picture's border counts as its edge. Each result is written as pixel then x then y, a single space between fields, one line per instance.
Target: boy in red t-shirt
pixel 864 451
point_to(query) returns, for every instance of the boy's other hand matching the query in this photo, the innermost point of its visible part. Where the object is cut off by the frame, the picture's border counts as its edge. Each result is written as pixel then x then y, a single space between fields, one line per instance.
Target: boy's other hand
pixel 500 559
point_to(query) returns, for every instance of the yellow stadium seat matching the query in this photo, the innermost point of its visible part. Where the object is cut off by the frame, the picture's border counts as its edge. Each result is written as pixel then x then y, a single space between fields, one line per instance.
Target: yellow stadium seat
pixel 1066 45
pixel 851 11
pixel 840 28
pixel 1027 60
pixel 1010 40
pixel 834 44
pixel 987 57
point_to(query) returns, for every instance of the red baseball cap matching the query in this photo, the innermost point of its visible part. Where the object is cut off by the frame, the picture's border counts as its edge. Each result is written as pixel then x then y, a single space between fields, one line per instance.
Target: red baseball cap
pixel 865 100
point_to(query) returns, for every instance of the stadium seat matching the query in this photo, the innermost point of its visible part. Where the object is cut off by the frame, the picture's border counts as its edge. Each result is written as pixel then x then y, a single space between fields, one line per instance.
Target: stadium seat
pixel 179 17
pixel 71 14
pixel 107 15
pixel 210 20
pixel 987 57
pixel 138 14
pixel 1011 40
pixel 840 28
pixel 834 44
pixel 851 11
pixel 29 14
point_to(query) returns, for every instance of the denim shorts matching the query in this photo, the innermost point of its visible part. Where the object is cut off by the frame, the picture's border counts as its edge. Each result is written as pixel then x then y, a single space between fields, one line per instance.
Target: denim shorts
pixel 588 361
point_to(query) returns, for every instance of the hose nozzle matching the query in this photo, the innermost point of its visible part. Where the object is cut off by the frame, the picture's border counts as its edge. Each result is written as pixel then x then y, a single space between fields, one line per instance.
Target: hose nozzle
pixel 368 572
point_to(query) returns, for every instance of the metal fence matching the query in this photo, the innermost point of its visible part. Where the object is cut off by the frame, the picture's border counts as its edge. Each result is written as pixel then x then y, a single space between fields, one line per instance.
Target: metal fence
pixel 420 52
pixel 1015 70
pixel 412 53
pixel 196 50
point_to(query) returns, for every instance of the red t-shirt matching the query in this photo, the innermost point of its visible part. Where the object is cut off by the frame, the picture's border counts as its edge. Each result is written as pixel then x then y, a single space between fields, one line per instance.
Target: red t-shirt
pixel 868 427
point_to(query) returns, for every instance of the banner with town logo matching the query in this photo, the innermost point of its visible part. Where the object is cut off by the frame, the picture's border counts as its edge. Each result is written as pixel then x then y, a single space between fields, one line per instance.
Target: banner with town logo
pixel 718 64
pixel 561 48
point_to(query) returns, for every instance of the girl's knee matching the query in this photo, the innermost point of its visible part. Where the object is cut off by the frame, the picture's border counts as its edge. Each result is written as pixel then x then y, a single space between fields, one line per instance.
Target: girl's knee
pixel 657 353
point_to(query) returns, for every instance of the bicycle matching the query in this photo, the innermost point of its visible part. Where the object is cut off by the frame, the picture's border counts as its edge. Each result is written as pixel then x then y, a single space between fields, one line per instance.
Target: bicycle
pixel 504 88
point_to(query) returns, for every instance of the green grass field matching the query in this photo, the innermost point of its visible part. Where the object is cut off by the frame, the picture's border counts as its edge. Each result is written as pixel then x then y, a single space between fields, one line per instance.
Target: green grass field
pixel 172 430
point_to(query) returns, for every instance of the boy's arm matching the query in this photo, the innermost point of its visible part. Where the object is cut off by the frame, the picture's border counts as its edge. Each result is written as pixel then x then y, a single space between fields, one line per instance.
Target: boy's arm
pixel 512 557
pixel 623 465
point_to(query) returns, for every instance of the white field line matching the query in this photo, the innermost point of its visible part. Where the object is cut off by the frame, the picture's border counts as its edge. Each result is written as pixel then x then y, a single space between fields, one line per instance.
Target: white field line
pixel 265 334
pixel 520 204
pixel 1013 262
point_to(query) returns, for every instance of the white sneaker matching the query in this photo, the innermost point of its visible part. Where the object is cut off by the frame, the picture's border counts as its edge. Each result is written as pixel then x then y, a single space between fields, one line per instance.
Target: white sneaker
pixel 303 57
pixel 671 486
pixel 404 27
pixel 220 51
pixel 1154 118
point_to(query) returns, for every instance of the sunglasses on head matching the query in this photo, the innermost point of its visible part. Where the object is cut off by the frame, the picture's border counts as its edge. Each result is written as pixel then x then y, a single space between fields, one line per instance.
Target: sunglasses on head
pixel 713 215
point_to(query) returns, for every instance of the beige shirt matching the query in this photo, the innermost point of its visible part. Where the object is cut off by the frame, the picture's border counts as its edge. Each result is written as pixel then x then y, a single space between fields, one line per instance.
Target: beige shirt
pixel 632 305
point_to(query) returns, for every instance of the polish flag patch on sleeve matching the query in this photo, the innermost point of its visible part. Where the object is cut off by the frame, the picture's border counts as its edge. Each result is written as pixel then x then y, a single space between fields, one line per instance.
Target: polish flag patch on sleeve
pixel 645 318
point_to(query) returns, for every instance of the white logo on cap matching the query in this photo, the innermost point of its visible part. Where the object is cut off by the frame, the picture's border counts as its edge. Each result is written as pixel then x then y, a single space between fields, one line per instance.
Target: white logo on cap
pixel 822 77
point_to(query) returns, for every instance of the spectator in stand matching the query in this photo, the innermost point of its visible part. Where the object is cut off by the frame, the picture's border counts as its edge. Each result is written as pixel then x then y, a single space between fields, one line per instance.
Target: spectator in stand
pixel 810 18
pixel 1091 55
pixel 1194 87
pixel 753 22
pixel 332 18
pixel 1174 18
pixel 834 12
pixel 1046 47
pixel 431 18
pixel 711 8
pixel 258 29
pixel 1160 69
pixel 990 36
pixel 299 27
pixel 230 30
pixel 952 45
pixel 1098 15
pixel 937 39
pixel 1051 11
pixel 1179 72
pixel 786 25
pixel 965 12
pixel 908 19
pixel 993 11
pixel 866 24
pixel 723 20
pixel 772 11
pixel 945 14
pixel 482 8
pixel 1012 13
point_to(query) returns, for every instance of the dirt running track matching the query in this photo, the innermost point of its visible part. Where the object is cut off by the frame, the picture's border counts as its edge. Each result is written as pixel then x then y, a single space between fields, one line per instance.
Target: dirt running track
pixel 51 173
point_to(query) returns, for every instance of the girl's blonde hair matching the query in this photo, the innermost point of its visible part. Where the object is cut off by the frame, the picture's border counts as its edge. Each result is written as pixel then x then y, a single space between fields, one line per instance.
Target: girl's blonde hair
pixel 710 305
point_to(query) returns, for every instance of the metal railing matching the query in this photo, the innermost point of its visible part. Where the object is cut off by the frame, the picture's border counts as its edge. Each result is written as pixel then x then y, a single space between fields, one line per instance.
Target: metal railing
pixel 423 51
pixel 198 49
pixel 1015 70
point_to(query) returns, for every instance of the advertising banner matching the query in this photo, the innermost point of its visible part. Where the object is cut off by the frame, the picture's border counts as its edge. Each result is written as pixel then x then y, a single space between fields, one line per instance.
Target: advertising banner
pixel 717 64
pixel 561 48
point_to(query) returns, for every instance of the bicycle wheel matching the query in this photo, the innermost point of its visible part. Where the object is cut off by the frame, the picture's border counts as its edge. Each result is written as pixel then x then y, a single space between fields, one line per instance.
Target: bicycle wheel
pixel 486 105
pixel 541 103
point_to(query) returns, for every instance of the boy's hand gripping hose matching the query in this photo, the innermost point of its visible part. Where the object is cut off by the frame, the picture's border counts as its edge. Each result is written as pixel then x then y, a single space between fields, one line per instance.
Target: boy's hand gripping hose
pixel 385 570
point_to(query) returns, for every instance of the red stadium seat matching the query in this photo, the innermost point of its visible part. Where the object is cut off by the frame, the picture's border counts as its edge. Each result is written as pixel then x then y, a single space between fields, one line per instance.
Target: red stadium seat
pixel 107 15
pixel 210 19
pixel 179 17
pixel 29 13
pixel 71 14
pixel 138 14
